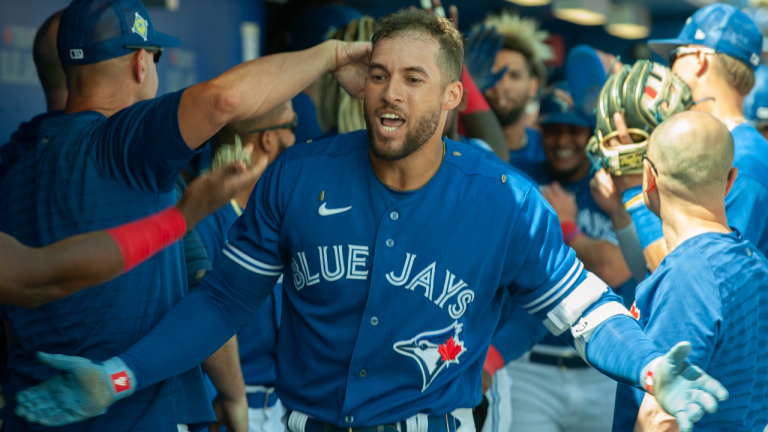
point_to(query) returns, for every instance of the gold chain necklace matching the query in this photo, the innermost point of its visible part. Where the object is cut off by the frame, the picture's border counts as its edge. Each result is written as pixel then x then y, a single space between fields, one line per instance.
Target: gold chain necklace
pixel 731 123
pixel 408 190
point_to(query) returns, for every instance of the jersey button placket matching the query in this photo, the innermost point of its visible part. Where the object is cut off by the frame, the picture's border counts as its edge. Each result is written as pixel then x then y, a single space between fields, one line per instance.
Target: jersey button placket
pixel 349 419
pixel 390 242
pixel 374 321
pixel 363 373
pixel 394 215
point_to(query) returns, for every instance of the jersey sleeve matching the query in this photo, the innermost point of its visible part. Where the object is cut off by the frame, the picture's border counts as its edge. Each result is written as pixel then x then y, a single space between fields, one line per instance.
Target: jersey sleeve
pixel 746 207
pixel 254 239
pixel 539 269
pixel 517 331
pixel 141 146
pixel 686 306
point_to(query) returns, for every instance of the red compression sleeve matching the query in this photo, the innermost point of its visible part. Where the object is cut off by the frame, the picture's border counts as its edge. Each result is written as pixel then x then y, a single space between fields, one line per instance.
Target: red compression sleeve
pixel 475 100
pixel 493 361
pixel 570 231
pixel 140 239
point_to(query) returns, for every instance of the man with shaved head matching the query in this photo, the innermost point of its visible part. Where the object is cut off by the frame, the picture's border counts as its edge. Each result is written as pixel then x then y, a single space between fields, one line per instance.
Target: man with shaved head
pixel 712 287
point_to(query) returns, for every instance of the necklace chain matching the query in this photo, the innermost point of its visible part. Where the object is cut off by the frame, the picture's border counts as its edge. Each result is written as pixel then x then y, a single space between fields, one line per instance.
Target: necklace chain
pixel 408 190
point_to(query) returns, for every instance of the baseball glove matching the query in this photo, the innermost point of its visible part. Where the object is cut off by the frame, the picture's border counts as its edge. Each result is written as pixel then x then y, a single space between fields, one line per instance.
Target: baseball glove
pixel 646 93
pixel 228 153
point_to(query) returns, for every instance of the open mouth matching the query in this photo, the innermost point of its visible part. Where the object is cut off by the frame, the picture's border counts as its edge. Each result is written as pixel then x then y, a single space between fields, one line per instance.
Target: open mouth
pixel 391 122
pixel 565 153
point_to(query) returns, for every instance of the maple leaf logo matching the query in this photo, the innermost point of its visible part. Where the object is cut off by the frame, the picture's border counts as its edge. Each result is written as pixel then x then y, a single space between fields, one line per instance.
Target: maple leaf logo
pixel 433 351
pixel 635 311
pixel 450 349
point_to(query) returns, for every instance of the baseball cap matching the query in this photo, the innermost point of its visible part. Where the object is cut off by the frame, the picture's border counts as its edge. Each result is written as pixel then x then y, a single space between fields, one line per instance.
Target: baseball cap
pixel 91 31
pixel 557 108
pixel 318 24
pixel 586 76
pixel 756 102
pixel 721 27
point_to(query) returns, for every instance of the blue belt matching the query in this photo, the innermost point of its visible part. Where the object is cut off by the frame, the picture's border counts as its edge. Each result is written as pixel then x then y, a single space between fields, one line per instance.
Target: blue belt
pixel 261 399
pixel 444 423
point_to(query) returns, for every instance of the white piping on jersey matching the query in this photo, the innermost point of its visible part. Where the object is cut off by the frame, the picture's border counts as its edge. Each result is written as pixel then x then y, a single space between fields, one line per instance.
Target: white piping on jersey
pixel 253 265
pixel 554 288
pixel 570 308
pixel 570 278
pixel 586 326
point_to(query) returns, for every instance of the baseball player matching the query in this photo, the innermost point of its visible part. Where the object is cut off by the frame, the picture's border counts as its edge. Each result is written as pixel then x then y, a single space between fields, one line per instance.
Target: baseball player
pixel 553 388
pixel 35 276
pixel 54 85
pixel 267 135
pixel 716 54
pixel 756 102
pixel 516 55
pixel 394 260
pixel 114 157
pixel 712 288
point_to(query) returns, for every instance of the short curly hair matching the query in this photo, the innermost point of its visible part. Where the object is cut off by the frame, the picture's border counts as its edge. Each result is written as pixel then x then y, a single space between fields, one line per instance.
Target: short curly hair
pixel 450 57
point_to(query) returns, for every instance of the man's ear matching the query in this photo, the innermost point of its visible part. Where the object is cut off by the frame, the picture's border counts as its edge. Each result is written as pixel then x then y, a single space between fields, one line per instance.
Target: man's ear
pixel 703 63
pixel 649 177
pixel 453 94
pixel 137 66
pixel 533 87
pixel 731 179
pixel 268 141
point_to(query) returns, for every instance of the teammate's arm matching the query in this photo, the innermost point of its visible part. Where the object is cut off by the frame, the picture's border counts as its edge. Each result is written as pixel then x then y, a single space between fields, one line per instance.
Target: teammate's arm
pixel 255 87
pixel 599 256
pixel 35 276
pixel 551 283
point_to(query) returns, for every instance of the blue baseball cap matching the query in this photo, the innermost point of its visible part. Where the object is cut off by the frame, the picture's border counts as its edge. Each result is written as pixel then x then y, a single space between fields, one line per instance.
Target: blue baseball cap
pixel 586 75
pixel 756 102
pixel 91 31
pixel 319 24
pixel 722 27
pixel 557 108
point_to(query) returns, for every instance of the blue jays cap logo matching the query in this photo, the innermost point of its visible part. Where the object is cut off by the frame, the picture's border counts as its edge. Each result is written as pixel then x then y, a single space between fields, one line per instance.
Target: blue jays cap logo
pixel 140 26
pixel 434 350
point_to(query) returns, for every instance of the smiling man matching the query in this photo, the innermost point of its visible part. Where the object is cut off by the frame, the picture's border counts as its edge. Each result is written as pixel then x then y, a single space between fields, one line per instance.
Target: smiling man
pixel 390 295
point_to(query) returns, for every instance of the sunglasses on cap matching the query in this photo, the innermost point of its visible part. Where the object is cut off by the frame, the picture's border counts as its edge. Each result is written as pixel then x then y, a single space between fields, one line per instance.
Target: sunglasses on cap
pixel 290 125
pixel 156 51
pixel 684 51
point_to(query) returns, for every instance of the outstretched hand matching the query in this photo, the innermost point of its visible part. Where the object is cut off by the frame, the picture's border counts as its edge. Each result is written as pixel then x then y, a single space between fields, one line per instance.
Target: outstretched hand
pixel 350 69
pixel 82 390
pixel 211 191
pixel 480 56
pixel 682 389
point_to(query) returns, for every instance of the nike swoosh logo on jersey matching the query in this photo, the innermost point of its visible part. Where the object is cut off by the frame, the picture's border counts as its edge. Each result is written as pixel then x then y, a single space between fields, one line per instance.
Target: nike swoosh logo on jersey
pixel 327 212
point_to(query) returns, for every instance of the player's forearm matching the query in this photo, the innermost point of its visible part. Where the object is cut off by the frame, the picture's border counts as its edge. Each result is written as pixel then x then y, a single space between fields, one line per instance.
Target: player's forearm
pixel 603 259
pixel 223 367
pixel 619 349
pixel 249 90
pixel 485 126
pixel 197 326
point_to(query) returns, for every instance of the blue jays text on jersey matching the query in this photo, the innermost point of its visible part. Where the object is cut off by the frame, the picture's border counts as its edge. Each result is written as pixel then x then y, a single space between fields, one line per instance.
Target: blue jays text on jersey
pixel 712 291
pixel 390 298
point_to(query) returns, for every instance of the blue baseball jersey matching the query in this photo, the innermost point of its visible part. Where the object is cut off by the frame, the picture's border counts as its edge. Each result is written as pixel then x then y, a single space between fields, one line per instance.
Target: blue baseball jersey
pixel 591 219
pixel 391 298
pixel 87 173
pixel 746 205
pixel 22 141
pixel 257 339
pixel 532 153
pixel 712 291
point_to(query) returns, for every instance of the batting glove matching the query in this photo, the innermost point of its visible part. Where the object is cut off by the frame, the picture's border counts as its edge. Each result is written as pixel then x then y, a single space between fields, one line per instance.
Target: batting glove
pixel 83 390
pixel 480 56
pixel 682 389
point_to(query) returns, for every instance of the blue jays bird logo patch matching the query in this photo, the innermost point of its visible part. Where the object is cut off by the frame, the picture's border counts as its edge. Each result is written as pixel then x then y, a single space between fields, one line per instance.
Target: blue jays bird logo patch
pixel 434 350
pixel 140 26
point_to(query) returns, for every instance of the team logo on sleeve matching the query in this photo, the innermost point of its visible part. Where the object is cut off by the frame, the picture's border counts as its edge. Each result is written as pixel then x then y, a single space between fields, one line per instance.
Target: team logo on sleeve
pixel 120 382
pixel 434 350
pixel 635 311
pixel 140 26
